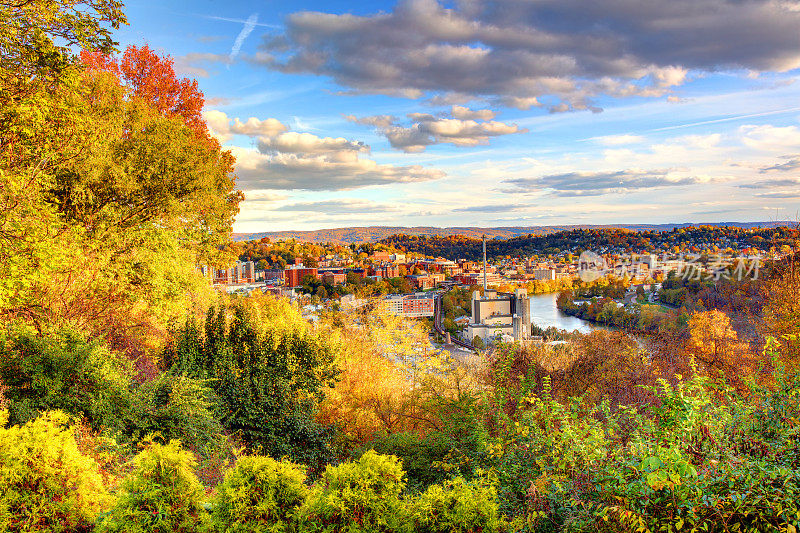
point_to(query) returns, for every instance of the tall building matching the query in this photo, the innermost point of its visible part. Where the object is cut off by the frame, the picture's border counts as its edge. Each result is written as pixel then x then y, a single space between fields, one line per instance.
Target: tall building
pixel 240 272
pixel 500 313
pixel 421 304
pixel 294 275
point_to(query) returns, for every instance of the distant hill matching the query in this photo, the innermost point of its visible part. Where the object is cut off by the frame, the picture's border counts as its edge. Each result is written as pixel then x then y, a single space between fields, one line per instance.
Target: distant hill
pixel 377 233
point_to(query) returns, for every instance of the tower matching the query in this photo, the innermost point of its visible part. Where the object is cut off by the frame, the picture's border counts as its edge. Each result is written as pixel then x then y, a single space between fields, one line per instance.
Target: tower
pixel 484 264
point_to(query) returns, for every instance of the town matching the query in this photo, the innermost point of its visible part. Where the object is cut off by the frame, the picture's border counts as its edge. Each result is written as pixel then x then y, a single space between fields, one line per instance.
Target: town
pixel 494 291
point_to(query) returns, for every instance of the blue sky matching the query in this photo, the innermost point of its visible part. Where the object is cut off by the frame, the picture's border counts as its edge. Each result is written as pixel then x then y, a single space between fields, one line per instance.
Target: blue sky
pixel 495 112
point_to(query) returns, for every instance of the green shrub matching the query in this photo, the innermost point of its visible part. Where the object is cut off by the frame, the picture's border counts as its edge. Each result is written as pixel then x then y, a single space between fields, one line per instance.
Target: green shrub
pixel 269 370
pixel 63 371
pixel 177 407
pixel 259 495
pixel 457 506
pixel 46 483
pixel 418 454
pixel 161 495
pixel 360 496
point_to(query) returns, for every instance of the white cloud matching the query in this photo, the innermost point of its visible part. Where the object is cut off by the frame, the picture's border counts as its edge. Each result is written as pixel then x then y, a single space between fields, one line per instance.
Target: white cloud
pixel 426 129
pixel 223 128
pixel 771 138
pixel 561 54
pixel 306 143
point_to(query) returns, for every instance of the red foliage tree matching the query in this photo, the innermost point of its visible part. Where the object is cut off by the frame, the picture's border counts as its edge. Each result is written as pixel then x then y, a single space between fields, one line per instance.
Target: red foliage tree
pixel 152 78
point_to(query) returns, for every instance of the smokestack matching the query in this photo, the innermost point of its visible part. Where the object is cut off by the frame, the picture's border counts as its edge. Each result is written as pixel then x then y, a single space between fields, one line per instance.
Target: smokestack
pixel 484 264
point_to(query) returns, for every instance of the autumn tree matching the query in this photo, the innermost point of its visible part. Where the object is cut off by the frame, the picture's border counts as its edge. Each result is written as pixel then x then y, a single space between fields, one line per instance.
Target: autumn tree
pixel 107 202
pixel 715 345
pixel 152 78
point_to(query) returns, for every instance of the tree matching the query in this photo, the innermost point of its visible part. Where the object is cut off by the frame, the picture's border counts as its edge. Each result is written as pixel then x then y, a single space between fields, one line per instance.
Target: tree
pixel 716 346
pixel 107 204
pixel 270 371
pixel 28 30
pixel 152 78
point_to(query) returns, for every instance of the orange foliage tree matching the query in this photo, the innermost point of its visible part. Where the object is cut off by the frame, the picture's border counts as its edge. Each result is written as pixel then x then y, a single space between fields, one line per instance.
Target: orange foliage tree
pixel 716 346
pixel 152 78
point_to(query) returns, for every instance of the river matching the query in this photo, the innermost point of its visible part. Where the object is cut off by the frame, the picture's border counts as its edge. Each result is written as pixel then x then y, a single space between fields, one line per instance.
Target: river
pixel 545 313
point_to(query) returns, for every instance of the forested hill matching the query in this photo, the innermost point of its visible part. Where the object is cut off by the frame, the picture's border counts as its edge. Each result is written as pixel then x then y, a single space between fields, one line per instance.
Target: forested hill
pixel 377 233
pixel 618 240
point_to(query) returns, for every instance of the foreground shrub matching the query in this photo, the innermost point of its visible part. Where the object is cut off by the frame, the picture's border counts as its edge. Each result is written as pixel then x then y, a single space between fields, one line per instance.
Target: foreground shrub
pixel 457 506
pixel 46 484
pixel 176 407
pixel 161 495
pixel 361 496
pixel 260 494
pixel 63 371
pixel 269 370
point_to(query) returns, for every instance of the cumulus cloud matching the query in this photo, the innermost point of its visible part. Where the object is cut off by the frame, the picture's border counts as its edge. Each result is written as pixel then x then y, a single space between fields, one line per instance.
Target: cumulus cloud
pixel 772 184
pixel 293 160
pixel 618 140
pixel 779 195
pixel 305 143
pixel 465 113
pixel 333 171
pixel 223 128
pixel 465 128
pixel 197 64
pixel 599 183
pixel 771 138
pixel 554 53
pixel 263 196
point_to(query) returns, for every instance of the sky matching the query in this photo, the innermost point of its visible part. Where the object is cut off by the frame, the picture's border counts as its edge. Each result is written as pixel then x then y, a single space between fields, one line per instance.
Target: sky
pixel 494 112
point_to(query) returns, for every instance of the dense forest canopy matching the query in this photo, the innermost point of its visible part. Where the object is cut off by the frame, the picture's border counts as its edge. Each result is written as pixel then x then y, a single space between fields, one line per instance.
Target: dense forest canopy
pixel 691 239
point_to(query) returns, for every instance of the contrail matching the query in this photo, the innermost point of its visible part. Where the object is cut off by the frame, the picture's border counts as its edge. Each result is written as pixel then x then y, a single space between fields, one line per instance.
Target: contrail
pixel 727 119
pixel 249 25
pixel 240 21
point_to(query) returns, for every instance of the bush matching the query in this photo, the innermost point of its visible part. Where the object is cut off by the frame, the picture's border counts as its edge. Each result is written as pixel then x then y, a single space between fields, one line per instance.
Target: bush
pixel 270 371
pixel 457 506
pixel 47 484
pixel 63 371
pixel 161 495
pixel 419 455
pixel 177 407
pixel 260 494
pixel 360 496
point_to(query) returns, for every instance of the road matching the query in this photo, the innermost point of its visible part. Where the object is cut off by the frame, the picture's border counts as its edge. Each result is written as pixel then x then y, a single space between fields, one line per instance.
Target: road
pixel 437 324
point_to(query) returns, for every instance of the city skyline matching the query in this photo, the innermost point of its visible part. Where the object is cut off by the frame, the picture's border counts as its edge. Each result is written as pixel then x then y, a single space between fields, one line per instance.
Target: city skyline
pixel 501 113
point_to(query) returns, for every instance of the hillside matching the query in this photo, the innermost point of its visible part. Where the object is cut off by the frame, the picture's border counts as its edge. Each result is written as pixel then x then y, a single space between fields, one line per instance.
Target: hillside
pixel 377 233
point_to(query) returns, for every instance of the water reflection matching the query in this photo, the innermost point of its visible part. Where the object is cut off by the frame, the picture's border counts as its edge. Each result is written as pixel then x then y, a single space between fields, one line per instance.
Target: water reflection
pixel 545 314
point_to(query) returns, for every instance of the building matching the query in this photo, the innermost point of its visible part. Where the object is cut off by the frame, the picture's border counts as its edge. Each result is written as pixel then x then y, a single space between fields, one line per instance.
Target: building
pixel 422 281
pixel 380 256
pixel 240 272
pixel 496 314
pixel 476 278
pixel 274 275
pixel 421 304
pixel 294 275
pixel 544 274
pixel 334 277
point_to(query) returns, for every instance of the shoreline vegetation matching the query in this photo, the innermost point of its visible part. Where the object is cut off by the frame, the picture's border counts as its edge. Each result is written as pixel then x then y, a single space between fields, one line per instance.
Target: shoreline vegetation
pixel 135 398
